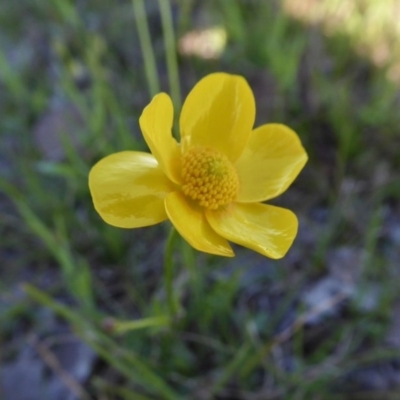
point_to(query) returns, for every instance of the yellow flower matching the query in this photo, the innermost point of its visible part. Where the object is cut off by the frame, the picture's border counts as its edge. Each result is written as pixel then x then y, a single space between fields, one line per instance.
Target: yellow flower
pixel 212 183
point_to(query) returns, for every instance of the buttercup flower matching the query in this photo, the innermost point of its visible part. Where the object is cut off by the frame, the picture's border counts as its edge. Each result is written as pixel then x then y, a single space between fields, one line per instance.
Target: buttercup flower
pixel 212 184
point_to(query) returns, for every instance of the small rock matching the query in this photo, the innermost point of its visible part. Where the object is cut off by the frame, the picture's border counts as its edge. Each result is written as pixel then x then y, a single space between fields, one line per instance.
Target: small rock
pixel 62 124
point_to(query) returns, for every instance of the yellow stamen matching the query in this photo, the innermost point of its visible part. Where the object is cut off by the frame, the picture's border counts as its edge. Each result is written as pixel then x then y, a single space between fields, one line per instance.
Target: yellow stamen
pixel 209 177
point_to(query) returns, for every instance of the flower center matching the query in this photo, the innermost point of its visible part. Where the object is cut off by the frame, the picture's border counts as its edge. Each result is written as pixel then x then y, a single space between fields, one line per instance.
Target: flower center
pixel 209 177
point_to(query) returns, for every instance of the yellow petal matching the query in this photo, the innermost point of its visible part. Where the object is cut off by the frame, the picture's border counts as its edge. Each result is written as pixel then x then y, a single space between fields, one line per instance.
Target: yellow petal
pixel 156 125
pixel 128 189
pixel 191 223
pixel 272 159
pixel 219 112
pixel 263 228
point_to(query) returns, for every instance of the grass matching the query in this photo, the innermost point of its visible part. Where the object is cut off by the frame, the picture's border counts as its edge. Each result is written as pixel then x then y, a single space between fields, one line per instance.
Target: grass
pixel 242 328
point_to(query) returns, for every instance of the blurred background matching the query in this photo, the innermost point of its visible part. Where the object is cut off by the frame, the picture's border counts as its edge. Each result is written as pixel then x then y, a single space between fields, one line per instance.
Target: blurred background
pixel 322 323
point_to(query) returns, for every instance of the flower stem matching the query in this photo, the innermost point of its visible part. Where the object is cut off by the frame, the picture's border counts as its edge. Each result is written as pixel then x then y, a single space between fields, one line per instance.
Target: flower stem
pixel 170 49
pixel 146 46
pixel 168 274
pixel 195 278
